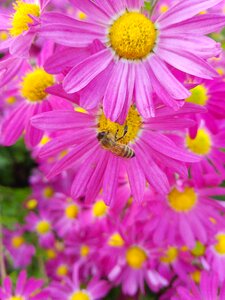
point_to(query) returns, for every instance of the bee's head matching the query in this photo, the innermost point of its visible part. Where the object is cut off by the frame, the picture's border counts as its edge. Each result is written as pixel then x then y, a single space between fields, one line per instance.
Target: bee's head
pixel 101 135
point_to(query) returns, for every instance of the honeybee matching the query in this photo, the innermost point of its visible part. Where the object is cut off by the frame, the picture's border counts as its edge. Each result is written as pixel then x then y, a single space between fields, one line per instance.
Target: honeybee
pixel 109 142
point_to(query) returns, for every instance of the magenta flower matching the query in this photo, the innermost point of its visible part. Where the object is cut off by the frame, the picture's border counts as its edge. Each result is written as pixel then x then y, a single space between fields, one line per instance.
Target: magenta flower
pixel 31 87
pixel 20 251
pixel 22 26
pixel 209 289
pixel 27 289
pixel 188 214
pixel 154 150
pixel 71 289
pixel 130 45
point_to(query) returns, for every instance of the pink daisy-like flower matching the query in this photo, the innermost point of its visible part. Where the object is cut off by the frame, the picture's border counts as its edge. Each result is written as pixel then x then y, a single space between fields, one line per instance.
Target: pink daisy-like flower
pixel 137 48
pixel 42 225
pixel 32 89
pixel 71 289
pixel 22 26
pixel 209 289
pixel 188 214
pixel 153 150
pixel 65 214
pixel 216 253
pixel 26 289
pixel 20 251
pixel 207 144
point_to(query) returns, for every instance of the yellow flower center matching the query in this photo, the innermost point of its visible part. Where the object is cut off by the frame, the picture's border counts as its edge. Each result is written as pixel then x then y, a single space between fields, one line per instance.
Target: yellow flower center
pixel 16 298
pixel 196 276
pixel 182 201
pixel 132 36
pixel 220 246
pixel 99 209
pixel 116 240
pixel 51 254
pixel 43 227
pixel 202 143
pixel 72 211
pixel 31 204
pixel 62 270
pixel 133 123
pixel 48 192
pixel 136 257
pixel 80 295
pixel 170 255
pixel 199 249
pixel 17 241
pixel 21 18
pixel 199 95
pixel 35 83
pixel 84 250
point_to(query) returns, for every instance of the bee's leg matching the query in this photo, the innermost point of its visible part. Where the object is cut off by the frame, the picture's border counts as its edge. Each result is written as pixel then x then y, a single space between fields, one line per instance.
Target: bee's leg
pixel 124 133
pixel 116 134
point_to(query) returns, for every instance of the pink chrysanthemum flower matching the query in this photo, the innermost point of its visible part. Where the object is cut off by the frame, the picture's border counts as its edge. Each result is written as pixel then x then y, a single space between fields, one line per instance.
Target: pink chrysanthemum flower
pixel 42 225
pixel 25 289
pixel 20 251
pixel 209 289
pixel 134 258
pixel 137 48
pixel 65 214
pixel 71 289
pixel 188 214
pixel 216 254
pixel 22 26
pixel 207 144
pixel 153 150
pixel 35 99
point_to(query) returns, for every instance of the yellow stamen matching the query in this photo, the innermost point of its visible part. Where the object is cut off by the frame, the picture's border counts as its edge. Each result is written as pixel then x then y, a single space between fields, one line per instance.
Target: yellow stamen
pixel 116 240
pixel 80 109
pixel 45 139
pixel 133 123
pixel 220 71
pixel 43 227
pixel 62 270
pixel 72 211
pixel 199 249
pixel 220 246
pixel 136 257
pixel 16 298
pixel 170 255
pixel 202 144
pixel 84 250
pixel 31 204
pixel 51 254
pixel 199 95
pixel 21 18
pixel 3 35
pixel 10 100
pixel 99 209
pixel 80 295
pixel 163 8
pixel 48 192
pixel 34 85
pixel 17 241
pixel 132 36
pixel 196 276
pixel 182 201
pixel 81 15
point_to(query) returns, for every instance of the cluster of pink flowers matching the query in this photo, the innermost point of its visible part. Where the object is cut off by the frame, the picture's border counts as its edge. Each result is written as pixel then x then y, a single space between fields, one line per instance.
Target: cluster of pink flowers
pixel 121 104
